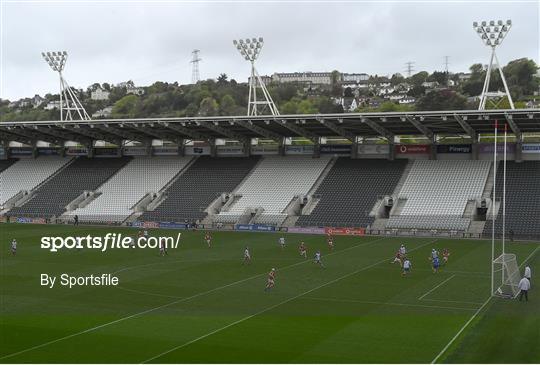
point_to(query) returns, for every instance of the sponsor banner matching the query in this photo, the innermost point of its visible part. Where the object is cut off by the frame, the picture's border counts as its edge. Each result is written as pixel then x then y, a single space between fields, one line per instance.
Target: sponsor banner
pixel 165 151
pixel 192 150
pixel 49 151
pixel 299 150
pixel 172 225
pixel 345 231
pixel 76 151
pixel 336 149
pixel 21 151
pixel 374 149
pixel 30 220
pixel 307 230
pixel 3 154
pixel 527 148
pixel 254 227
pixel 134 151
pixel 230 150
pixel 488 148
pixel 265 150
pixel 106 152
pixel 415 149
pixel 454 148
pixel 145 224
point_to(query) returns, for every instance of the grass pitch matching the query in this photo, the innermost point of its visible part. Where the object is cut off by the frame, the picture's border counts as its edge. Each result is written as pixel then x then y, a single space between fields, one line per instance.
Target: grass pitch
pixel 201 305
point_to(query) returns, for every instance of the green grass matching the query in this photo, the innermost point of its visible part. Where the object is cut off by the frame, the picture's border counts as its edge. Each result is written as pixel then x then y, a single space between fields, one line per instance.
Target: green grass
pixel 201 305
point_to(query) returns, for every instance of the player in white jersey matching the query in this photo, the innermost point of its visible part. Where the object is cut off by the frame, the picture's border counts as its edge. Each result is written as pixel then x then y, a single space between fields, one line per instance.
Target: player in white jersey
pixel 247 256
pixel 402 250
pixel 146 234
pixel 13 246
pixel 434 254
pixel 282 242
pixel 318 258
pixel 406 267
pixel 163 249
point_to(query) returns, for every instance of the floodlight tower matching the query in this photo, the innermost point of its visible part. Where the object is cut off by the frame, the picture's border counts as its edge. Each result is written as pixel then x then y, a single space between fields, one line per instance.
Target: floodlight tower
pixel 250 50
pixel 492 34
pixel 195 77
pixel 69 103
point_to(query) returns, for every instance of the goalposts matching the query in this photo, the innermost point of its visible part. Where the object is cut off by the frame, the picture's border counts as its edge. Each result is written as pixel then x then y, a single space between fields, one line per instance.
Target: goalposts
pixel 505 273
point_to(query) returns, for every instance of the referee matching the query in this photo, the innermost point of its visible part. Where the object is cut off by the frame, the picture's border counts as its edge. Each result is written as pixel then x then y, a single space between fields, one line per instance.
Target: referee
pixel 524 286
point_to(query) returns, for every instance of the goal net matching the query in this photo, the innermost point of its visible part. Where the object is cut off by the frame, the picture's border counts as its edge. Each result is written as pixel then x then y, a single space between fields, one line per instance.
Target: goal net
pixel 506 276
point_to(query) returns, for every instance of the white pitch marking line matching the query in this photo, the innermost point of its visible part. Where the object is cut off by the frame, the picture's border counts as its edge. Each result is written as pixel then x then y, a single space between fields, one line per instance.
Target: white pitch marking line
pixel 274 306
pixel 148 293
pixel 388 303
pixel 436 287
pixel 474 315
pixel 169 304
pixel 451 301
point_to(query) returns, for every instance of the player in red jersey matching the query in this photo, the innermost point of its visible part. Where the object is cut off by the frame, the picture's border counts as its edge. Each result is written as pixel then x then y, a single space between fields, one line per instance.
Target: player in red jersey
pixel 303 250
pixel 445 255
pixel 330 241
pixel 397 258
pixel 208 239
pixel 271 280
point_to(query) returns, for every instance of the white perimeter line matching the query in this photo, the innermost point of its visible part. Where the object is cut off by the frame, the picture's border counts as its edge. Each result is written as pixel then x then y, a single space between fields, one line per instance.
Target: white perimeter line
pixel 435 288
pixel 387 303
pixel 474 315
pixel 274 306
pixel 170 304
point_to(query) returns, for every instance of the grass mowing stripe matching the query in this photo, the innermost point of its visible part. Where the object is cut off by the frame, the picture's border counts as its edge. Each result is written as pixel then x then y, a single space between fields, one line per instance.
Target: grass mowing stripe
pixel 173 303
pixel 436 287
pixel 475 315
pixel 275 306
pixel 387 303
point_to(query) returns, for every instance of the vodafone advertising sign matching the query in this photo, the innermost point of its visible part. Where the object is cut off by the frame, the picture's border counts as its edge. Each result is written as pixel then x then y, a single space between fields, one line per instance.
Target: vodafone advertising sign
pixel 408 149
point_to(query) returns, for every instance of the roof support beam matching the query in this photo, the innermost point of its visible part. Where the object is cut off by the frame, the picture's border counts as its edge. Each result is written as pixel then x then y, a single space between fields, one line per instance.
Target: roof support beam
pixel 466 126
pixel 223 131
pixel 422 128
pixel 62 135
pixel 154 133
pixel 513 126
pixel 8 136
pixel 342 132
pixel 35 136
pixel 259 130
pixel 299 130
pixel 185 131
pixel 122 133
pixel 87 132
pixel 379 129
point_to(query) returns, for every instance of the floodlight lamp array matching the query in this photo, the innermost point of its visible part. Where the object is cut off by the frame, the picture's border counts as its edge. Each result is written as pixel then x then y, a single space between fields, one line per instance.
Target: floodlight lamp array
pixel 249 48
pixel 492 32
pixel 56 60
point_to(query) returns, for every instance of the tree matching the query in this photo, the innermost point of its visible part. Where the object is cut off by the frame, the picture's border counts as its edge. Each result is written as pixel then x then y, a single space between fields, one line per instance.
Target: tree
pixel 227 105
pixel 222 79
pixel 208 107
pixel 126 107
pixel 441 100
pixel 397 79
pixel 418 78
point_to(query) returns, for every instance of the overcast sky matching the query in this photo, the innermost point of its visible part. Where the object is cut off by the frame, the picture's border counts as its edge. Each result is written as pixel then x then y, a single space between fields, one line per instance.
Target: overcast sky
pixel 149 41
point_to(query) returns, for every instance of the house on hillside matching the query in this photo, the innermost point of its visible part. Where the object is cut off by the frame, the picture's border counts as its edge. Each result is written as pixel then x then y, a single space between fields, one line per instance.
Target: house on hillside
pixel 100 94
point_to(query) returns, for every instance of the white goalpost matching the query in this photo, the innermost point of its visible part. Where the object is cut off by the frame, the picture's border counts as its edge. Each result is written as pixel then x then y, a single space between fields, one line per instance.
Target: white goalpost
pixel 505 273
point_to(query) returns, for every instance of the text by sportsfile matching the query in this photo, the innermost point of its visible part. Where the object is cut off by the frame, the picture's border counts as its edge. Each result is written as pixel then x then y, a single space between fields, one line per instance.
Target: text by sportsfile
pixel 109 241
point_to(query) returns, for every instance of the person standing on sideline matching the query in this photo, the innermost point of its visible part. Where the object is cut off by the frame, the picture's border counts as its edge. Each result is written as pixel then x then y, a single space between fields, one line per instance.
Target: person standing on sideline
pixel 524 286
pixel 528 274
pixel 76 220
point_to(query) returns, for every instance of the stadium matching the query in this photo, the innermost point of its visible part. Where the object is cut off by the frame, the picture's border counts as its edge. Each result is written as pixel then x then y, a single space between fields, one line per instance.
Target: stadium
pixel 376 237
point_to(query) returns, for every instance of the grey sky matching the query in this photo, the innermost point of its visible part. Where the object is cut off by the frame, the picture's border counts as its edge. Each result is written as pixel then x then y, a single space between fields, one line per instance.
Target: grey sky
pixel 149 41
